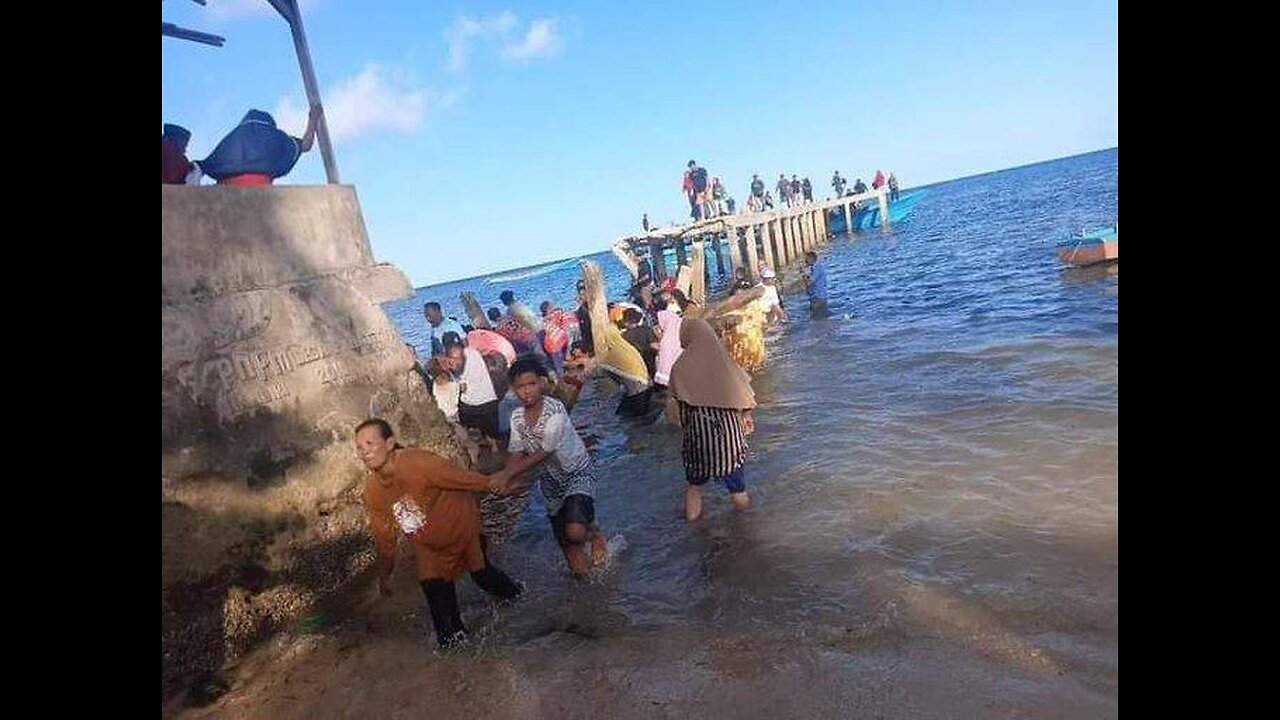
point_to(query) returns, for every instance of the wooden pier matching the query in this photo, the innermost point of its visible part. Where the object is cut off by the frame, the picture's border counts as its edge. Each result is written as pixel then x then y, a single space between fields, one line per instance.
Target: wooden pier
pixel 780 237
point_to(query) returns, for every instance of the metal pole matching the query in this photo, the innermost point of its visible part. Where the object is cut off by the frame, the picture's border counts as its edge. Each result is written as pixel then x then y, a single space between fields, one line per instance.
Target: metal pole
pixel 312 87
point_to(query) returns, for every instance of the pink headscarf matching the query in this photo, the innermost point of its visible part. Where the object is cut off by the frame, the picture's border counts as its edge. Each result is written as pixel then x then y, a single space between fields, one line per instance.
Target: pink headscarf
pixel 669 347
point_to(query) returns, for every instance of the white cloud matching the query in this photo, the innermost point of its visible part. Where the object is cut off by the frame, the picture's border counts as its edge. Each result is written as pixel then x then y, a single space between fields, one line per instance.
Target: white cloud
pixel 375 100
pixel 466 29
pixel 541 41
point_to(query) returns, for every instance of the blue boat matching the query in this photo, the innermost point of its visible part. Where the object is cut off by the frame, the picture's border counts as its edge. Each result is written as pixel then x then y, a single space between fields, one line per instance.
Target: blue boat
pixel 868 216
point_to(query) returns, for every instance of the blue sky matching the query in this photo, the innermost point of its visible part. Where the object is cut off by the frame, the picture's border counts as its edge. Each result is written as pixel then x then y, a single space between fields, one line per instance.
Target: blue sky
pixel 482 136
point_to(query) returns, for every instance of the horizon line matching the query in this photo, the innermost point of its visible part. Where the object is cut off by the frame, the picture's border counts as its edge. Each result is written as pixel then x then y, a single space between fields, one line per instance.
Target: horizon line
pixel 487 273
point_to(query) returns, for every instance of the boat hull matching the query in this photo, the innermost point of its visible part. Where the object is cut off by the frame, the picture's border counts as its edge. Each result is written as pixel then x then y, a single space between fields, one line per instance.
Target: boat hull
pixel 1091 248
pixel 1090 254
pixel 868 216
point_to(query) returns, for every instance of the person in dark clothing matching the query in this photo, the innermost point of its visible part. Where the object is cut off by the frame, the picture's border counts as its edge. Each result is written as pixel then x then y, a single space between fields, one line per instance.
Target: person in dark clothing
pixel 837 184
pixel 859 187
pixel 174 165
pixel 807 188
pixel 757 186
pixel 698 180
pixel 642 338
pixel 740 281
pixel 644 272
pixel 644 222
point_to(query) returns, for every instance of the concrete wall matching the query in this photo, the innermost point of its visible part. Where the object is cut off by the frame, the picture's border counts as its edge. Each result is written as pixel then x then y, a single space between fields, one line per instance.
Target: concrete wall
pixel 272 343
pixel 273 347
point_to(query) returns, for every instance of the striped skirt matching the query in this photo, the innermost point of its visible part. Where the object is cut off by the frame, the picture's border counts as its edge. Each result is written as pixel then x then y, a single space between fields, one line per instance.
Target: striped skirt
pixel 715 443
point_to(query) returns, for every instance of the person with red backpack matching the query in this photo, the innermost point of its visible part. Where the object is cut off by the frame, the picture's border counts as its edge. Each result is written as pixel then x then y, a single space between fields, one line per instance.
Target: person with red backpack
pixel 561 329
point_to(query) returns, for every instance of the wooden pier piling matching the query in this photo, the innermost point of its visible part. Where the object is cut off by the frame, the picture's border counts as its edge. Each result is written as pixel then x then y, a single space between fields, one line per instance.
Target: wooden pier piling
pixel 780 237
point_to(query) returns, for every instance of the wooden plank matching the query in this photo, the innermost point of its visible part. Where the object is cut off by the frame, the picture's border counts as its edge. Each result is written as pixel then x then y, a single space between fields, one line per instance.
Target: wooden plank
pixel 753 262
pixel 659 260
pixel 684 280
pixel 628 261
pixel 475 311
pixel 698 268
pixel 766 244
pixel 780 232
pixel 597 306
pixel 735 246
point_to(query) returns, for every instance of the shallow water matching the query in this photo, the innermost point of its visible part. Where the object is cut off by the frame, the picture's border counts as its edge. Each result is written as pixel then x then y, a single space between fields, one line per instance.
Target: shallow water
pixel 934 471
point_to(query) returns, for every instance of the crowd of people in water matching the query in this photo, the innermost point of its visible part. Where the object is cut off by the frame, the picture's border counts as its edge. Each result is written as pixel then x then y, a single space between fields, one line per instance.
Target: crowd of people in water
pixel 507 391
pixel 708 198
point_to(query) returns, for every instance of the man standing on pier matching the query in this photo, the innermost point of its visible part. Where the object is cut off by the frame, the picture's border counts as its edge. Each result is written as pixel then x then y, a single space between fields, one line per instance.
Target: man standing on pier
pixel 837 184
pixel 784 190
pixel 757 187
pixel 696 187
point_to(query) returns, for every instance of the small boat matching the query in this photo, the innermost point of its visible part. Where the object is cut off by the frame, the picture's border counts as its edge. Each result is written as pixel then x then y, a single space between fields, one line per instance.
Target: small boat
pixel 1091 247
pixel 868 216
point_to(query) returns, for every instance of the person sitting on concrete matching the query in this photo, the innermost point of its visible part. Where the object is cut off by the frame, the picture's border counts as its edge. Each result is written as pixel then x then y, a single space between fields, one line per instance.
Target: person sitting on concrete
pixel 256 152
pixel 175 168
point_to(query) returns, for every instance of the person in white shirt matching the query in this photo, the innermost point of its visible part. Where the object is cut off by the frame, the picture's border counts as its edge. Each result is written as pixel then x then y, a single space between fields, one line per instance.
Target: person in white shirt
pixel 771 302
pixel 477 401
pixel 437 326
pixel 543 435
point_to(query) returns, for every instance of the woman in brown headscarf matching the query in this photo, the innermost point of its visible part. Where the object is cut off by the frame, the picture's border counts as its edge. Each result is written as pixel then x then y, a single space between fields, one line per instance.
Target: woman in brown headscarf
pixel 715 399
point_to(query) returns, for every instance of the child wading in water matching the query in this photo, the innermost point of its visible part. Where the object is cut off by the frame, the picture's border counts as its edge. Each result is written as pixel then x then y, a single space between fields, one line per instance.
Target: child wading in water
pixel 715 400
pixel 542 433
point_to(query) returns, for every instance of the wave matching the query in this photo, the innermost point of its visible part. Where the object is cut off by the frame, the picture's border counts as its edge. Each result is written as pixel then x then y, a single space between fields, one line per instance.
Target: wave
pixel 529 272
